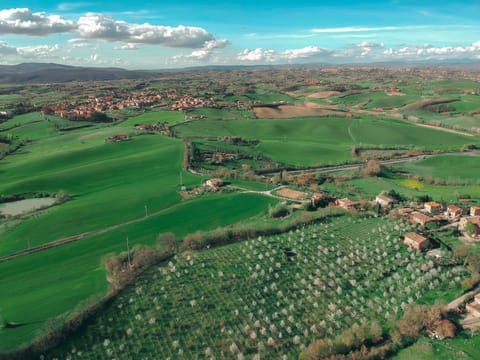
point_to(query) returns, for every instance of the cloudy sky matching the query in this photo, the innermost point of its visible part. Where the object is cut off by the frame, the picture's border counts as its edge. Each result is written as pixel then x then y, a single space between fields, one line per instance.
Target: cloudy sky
pixel 160 34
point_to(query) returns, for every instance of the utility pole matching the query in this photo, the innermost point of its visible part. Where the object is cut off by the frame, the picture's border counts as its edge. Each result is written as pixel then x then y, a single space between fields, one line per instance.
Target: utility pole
pixel 146 211
pixel 128 254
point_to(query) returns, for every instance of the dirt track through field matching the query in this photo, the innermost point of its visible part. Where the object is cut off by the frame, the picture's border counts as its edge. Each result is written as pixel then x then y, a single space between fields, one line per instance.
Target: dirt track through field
pixel 77 237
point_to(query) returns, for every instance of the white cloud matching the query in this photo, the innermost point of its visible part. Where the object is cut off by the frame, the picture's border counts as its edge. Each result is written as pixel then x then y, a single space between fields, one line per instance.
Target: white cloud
pixel 127 47
pixel 23 21
pixel 7 50
pixel 305 52
pixel 432 52
pixel 353 29
pixel 80 44
pixel 262 55
pixel 258 55
pixel 39 52
pixel 207 49
pixel 101 27
pixel 98 26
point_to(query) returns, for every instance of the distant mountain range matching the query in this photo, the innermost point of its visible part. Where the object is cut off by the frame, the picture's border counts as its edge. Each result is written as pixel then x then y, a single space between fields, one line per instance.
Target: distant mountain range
pixel 41 73
pixel 56 73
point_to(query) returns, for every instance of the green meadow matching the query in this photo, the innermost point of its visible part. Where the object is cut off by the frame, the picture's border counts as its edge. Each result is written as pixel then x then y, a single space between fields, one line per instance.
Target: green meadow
pixel 324 140
pixel 453 168
pixel 128 188
pixel 49 283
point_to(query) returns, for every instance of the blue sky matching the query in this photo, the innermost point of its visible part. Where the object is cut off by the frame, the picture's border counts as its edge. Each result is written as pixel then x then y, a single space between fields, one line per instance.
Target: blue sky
pixel 161 34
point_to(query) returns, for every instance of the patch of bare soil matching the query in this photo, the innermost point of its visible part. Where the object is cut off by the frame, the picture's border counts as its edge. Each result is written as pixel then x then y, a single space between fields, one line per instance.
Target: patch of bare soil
pixel 445 129
pixel 299 110
pixel 292 194
pixel 324 94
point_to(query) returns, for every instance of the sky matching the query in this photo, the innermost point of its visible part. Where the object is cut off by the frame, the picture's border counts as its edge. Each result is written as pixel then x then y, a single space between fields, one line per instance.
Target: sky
pixel 169 34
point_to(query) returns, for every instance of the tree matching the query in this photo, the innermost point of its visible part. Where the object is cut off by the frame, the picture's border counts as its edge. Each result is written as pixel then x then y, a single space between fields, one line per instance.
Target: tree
pixel 320 349
pixel 376 332
pixel 446 329
pixel 471 229
pixel 169 240
pixel 373 168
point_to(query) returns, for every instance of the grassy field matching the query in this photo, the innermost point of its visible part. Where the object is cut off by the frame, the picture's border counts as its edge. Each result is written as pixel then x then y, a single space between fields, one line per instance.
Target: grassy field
pixel 369 187
pixel 462 347
pixel 376 99
pixel 327 140
pixel 222 114
pixel 110 184
pixel 450 168
pixel 47 284
pixel 153 117
pixel 281 295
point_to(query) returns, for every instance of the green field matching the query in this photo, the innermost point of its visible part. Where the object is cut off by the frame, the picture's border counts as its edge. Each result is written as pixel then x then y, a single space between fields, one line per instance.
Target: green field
pixel 49 283
pixel 377 99
pixel 153 117
pixel 269 296
pixel 450 168
pixel 462 347
pixel 111 185
pixel 326 140
pixel 369 187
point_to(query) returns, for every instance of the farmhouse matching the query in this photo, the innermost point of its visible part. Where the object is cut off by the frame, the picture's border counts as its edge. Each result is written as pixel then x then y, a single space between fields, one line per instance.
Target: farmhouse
pixel 384 200
pixel 474 307
pixel 419 218
pixel 214 184
pixel 475 211
pixel 346 203
pixel 416 241
pixel 453 211
pixel 433 207
pixel 403 211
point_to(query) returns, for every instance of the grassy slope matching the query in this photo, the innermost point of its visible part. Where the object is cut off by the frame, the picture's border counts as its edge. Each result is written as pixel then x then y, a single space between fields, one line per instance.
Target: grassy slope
pixel 462 347
pixel 111 183
pixel 373 186
pixel 446 167
pixel 49 283
pixel 311 141
pixel 152 117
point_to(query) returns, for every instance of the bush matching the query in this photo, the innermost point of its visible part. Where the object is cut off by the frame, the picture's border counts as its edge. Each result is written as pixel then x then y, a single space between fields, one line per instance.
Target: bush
pixel 279 210
pixel 373 168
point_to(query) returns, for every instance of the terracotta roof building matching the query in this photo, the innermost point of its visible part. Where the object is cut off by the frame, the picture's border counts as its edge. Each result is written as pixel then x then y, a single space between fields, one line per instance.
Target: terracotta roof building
pixel 384 200
pixel 419 218
pixel 346 203
pixel 454 211
pixel 416 241
pixel 475 211
pixel 433 207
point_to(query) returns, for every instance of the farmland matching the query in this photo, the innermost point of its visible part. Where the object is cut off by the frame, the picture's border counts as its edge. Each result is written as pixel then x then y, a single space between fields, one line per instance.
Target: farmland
pixel 201 304
pixel 125 178
pixel 324 140
pixel 450 168
pixel 110 185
